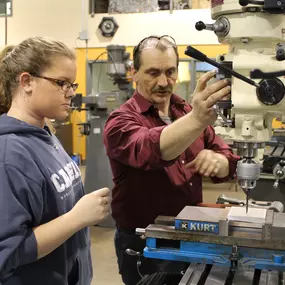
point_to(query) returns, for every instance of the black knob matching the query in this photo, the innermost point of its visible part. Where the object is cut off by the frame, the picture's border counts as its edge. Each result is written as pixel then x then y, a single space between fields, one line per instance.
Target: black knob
pixel 270 91
pixel 200 26
pixel 282 163
pixel 280 55
pixel 243 2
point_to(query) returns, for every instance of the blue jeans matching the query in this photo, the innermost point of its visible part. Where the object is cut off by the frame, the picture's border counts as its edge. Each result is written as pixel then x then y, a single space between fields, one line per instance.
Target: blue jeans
pixel 128 264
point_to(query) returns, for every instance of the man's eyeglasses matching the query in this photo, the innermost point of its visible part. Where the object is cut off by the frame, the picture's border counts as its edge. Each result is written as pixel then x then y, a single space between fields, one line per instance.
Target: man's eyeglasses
pixel 65 85
pixel 152 41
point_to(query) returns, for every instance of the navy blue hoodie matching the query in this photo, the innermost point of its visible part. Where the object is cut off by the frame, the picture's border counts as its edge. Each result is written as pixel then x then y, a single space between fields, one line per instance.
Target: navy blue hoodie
pixel 38 183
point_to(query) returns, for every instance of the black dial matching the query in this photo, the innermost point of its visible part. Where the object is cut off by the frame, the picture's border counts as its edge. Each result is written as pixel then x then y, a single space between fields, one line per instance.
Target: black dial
pixel 271 91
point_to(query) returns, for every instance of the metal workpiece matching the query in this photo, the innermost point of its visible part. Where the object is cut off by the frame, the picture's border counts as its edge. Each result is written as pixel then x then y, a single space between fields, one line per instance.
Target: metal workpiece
pixel 276 206
pixel 198 213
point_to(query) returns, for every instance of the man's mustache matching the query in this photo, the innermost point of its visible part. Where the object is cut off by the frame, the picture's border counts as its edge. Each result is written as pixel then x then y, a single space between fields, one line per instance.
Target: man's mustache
pixel 162 89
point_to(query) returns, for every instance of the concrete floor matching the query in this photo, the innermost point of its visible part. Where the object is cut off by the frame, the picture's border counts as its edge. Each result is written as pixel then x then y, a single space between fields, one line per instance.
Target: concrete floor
pixel 104 257
pixel 103 251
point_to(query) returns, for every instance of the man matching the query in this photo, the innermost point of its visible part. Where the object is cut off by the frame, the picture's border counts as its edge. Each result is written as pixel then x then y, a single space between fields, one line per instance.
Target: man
pixel 160 147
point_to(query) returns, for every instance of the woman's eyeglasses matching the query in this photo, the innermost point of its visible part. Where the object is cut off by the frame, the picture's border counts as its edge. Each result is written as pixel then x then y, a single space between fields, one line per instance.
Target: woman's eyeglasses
pixel 65 85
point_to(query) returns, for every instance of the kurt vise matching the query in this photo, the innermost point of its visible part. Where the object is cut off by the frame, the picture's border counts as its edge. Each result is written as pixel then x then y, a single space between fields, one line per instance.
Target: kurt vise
pixel 222 246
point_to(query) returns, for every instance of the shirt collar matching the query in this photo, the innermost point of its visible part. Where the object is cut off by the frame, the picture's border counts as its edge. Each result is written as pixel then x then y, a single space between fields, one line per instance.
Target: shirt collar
pixel 143 105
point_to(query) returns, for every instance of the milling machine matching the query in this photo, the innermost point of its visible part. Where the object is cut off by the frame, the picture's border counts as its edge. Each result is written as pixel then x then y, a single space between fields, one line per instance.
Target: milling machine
pixel 98 105
pixel 221 247
pixel 255 33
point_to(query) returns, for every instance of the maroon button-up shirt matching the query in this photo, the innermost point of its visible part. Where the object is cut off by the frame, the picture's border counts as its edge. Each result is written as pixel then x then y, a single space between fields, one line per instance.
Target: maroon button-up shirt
pixel 145 185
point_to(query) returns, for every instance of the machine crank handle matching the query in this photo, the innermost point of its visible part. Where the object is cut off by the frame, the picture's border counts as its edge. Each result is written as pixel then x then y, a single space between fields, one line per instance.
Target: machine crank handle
pixel 132 252
pixel 194 53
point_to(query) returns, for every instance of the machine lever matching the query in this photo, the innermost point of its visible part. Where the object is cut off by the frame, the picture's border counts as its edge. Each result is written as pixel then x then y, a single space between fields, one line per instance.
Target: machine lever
pixel 202 26
pixel 247 2
pixel 192 52
pixel 257 73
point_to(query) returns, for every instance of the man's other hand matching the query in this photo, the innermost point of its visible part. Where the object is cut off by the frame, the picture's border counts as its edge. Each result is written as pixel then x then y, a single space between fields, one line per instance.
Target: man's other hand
pixel 209 163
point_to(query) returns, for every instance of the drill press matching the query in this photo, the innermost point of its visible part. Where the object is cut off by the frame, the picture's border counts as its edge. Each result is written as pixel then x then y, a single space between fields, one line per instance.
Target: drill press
pixel 255 33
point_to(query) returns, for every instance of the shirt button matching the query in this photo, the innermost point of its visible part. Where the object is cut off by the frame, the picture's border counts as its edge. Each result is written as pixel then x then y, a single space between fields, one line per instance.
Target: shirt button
pixel 190 183
pixel 183 161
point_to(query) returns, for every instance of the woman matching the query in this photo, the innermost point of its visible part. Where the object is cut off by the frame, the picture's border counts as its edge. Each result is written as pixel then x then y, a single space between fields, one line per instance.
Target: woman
pixel 44 214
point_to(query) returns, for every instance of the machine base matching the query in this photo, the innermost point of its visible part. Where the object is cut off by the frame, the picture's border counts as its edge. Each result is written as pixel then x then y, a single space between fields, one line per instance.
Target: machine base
pixel 198 274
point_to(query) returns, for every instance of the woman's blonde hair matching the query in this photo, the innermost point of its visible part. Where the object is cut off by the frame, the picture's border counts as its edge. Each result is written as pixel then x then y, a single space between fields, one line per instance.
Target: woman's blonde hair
pixel 33 55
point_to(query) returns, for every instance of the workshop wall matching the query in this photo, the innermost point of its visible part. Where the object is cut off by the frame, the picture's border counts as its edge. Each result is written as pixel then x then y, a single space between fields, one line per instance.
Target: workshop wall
pixel 63 20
